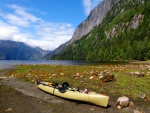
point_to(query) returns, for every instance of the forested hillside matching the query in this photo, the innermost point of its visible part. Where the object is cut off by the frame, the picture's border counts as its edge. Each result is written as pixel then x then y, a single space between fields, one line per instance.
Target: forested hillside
pixel 124 34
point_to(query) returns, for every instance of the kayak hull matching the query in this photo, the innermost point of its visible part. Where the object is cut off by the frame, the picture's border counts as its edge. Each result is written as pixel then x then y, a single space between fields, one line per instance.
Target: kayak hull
pixel 97 99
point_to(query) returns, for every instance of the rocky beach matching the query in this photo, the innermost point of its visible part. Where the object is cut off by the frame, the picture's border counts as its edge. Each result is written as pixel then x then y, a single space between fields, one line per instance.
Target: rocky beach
pixel 19 96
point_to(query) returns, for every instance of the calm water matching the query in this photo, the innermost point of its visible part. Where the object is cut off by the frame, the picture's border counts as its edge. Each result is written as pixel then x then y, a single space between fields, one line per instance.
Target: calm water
pixel 5 64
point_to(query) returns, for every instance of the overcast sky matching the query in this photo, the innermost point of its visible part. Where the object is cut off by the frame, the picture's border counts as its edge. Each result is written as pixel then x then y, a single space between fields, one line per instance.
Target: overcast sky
pixel 43 23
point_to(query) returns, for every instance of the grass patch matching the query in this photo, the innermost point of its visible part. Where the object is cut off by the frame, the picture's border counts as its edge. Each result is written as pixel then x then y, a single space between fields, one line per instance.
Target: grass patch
pixel 79 76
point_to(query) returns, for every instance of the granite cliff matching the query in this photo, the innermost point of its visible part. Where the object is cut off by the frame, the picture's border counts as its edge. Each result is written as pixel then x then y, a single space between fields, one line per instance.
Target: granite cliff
pixel 95 18
pixel 114 30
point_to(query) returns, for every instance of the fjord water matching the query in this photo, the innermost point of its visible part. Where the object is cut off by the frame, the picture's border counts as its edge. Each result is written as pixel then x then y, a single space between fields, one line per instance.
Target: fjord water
pixel 6 64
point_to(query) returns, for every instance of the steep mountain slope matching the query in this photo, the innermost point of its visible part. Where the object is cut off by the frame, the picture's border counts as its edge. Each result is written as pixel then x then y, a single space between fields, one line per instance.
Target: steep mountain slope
pixel 10 50
pixel 95 17
pixel 123 34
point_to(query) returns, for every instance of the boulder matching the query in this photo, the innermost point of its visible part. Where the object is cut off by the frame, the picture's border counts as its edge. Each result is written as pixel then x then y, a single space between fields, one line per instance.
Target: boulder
pixel 137 73
pixel 107 78
pixel 122 101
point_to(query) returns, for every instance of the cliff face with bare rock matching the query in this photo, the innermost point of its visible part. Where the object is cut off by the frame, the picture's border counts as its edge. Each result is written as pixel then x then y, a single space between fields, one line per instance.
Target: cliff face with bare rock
pixel 114 30
pixel 95 18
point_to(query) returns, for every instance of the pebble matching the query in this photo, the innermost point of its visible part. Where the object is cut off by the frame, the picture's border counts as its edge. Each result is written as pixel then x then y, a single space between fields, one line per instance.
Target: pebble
pixel 92 109
pixel 81 81
pixel 53 75
pixel 62 74
pixel 137 111
pixel 50 77
pixel 142 96
pixel 91 77
pixel 40 102
pixel 77 74
pixel 100 77
pixel 3 77
pixel 131 104
pixel 9 109
pixel 119 107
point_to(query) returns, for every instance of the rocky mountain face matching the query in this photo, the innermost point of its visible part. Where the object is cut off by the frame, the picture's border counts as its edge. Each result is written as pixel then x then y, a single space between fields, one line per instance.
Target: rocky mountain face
pixel 11 50
pixel 114 30
pixel 95 18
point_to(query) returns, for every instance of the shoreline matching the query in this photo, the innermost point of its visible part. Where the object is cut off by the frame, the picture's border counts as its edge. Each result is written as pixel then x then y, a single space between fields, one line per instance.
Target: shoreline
pixel 53 104
pixel 5 64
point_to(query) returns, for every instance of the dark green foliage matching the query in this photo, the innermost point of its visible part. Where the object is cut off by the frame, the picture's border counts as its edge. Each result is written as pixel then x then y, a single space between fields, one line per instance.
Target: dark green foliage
pixel 127 43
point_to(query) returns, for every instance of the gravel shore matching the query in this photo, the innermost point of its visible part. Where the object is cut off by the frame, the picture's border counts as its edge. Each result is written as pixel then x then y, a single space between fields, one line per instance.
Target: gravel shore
pixel 24 97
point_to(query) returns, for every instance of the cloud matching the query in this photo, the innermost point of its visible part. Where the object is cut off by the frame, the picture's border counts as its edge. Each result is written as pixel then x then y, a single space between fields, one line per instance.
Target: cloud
pixel 7 31
pixel 89 5
pixel 21 25
pixel 54 34
pixel 22 13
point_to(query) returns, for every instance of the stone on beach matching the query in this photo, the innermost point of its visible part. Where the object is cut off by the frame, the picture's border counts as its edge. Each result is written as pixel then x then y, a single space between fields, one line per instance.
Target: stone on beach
pixel 122 102
pixel 91 77
pixel 107 78
pixel 137 73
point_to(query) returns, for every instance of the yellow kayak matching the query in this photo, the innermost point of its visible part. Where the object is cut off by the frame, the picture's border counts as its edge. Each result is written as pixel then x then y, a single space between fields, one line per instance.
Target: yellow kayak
pixel 94 98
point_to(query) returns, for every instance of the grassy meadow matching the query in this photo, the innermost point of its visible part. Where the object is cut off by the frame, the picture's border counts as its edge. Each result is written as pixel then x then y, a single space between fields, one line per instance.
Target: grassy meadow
pixel 89 76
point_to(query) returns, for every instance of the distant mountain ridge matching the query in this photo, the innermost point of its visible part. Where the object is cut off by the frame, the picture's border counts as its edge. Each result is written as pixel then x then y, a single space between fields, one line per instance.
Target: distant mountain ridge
pixel 114 30
pixel 11 50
